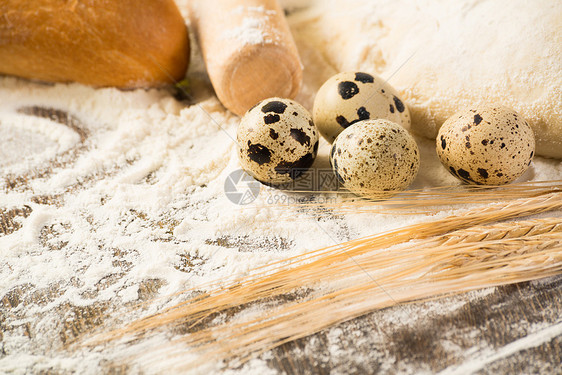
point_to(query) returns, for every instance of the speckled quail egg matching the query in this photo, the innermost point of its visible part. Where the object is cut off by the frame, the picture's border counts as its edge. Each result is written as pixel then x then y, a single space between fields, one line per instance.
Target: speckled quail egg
pixel 375 156
pixel 278 141
pixel 486 144
pixel 349 97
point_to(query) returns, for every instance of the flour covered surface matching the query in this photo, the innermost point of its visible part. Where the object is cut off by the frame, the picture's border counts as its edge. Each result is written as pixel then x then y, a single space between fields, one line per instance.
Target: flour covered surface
pixel 111 199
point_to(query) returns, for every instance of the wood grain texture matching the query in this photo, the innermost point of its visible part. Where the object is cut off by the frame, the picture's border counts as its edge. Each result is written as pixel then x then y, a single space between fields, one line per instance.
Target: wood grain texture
pixel 432 340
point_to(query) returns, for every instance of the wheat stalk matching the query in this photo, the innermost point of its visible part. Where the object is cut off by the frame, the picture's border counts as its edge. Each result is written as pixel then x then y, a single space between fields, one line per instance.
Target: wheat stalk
pixel 527 193
pixel 462 261
pixel 465 261
pixel 426 200
pixel 474 247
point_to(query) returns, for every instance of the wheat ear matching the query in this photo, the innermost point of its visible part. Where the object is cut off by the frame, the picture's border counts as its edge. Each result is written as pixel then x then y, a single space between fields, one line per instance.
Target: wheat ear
pixel 282 278
pixel 509 253
pixel 462 261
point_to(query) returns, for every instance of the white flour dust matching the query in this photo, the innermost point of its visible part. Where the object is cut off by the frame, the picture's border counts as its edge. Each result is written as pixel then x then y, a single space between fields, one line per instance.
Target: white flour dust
pixel 253 29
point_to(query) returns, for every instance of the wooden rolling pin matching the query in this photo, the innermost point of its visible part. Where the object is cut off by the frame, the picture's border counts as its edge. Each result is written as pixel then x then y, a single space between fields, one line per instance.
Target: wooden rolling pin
pixel 248 49
pixel 125 43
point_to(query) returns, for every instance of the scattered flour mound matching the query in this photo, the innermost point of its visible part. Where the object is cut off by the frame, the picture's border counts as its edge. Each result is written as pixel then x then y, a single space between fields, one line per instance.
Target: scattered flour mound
pixel 443 56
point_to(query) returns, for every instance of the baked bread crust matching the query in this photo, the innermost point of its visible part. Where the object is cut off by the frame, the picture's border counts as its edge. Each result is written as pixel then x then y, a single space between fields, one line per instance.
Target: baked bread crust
pixel 125 43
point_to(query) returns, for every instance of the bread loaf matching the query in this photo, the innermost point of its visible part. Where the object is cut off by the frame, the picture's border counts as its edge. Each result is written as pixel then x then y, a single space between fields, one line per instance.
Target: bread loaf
pixel 125 43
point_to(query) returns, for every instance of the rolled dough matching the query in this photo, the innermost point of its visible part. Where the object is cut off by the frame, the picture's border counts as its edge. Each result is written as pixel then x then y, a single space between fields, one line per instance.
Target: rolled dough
pixel 443 56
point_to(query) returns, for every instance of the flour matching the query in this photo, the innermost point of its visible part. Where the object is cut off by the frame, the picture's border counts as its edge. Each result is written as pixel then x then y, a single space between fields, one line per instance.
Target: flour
pixel 129 205
pixel 43 140
pixel 250 32
pixel 253 29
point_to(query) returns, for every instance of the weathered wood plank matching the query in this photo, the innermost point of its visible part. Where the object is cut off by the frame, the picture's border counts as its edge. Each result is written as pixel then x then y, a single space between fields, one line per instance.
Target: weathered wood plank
pixel 431 340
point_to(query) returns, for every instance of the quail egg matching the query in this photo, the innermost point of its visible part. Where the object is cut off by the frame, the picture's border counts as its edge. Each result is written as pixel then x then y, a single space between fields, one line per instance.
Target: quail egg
pixel 486 144
pixel 278 141
pixel 350 97
pixel 372 158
